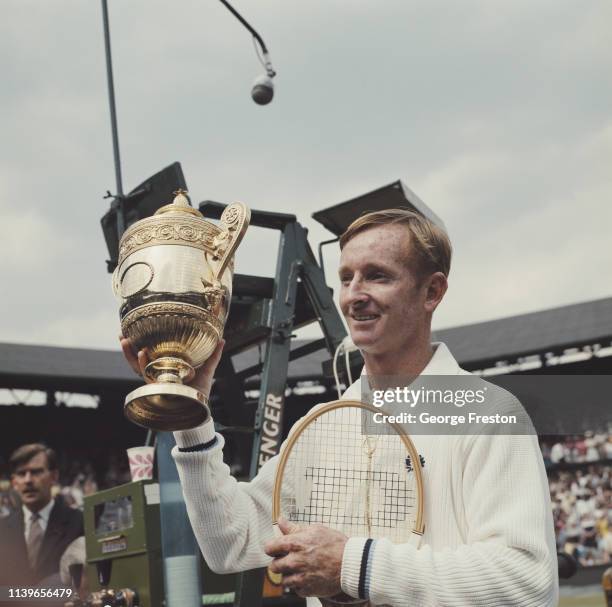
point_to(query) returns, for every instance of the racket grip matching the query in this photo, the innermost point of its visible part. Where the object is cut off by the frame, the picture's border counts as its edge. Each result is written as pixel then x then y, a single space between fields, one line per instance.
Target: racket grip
pixel 276 530
pixel 275 578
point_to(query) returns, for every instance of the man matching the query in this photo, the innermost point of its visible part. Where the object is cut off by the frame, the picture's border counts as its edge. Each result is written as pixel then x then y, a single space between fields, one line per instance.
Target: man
pixel 489 538
pixel 34 537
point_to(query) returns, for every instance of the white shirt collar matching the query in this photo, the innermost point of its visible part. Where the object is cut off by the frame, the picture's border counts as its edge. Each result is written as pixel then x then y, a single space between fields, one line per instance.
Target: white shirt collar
pixel 45 513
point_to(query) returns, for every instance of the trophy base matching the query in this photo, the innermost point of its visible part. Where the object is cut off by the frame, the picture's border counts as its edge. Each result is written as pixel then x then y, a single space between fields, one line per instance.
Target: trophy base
pixel 166 407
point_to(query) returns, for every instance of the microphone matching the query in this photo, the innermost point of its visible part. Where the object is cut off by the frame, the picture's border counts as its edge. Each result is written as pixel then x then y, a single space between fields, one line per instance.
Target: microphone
pixel 263 90
pixel 263 87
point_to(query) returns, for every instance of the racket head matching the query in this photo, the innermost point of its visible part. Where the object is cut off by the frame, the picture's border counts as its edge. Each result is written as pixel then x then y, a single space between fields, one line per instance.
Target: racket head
pixel 331 472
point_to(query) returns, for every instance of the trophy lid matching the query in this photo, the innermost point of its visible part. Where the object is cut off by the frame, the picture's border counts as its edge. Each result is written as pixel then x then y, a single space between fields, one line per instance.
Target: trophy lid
pixel 180 204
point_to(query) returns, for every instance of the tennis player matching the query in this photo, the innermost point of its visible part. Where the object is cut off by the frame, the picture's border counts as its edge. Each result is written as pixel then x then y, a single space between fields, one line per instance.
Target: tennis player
pixel 489 536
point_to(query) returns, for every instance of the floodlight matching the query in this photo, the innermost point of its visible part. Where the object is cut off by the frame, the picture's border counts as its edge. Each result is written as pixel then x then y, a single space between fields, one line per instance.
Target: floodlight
pixel 396 195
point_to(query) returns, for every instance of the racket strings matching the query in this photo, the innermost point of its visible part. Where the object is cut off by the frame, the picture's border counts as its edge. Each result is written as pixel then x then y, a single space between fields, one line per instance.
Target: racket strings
pixel 340 478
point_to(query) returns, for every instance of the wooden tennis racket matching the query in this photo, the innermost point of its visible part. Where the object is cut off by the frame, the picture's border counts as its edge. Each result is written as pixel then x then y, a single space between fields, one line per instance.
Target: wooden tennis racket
pixel 340 469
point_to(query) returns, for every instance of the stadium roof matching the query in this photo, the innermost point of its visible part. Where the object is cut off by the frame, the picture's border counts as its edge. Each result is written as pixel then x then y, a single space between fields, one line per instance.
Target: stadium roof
pixel 54 368
pixel 481 345
pixel 475 346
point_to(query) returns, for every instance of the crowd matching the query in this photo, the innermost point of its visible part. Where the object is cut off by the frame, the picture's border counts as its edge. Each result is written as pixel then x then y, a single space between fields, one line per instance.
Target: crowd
pixel 80 478
pixel 581 494
pixel 581 501
pixel 589 447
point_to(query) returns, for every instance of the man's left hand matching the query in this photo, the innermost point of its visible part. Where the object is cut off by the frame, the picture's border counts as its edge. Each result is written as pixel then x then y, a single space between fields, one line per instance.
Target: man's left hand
pixel 309 558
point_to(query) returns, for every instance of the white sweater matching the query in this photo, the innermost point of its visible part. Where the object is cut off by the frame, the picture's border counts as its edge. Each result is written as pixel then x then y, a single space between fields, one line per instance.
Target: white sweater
pixel 489 538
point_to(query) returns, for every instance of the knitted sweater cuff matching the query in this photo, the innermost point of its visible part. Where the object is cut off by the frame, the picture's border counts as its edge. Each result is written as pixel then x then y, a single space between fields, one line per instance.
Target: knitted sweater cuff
pixel 352 565
pixel 193 437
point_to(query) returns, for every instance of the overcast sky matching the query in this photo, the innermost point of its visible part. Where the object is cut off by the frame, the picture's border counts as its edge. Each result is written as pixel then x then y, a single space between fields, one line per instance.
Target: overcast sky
pixel 497 114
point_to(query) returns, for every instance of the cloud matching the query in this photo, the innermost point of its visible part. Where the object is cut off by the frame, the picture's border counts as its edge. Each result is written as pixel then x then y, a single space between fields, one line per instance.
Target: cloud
pixel 547 250
pixel 95 326
pixel 28 239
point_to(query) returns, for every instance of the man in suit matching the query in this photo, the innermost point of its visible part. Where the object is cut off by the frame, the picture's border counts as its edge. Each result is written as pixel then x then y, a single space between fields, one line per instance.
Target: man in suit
pixel 34 537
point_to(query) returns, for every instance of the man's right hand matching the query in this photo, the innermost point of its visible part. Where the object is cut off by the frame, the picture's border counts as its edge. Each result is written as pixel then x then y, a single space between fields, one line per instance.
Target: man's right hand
pixel 204 376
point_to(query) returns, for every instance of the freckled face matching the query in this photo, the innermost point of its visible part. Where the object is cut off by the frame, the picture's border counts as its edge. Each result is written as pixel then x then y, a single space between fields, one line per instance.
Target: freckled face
pixel 380 296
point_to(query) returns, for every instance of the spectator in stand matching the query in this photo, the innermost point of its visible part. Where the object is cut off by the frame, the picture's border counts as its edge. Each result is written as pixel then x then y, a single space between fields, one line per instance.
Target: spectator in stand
pixel 579 449
pixel 606 542
pixel 118 471
pixel 591 451
pixel 34 537
pixel 607 448
pixel 558 453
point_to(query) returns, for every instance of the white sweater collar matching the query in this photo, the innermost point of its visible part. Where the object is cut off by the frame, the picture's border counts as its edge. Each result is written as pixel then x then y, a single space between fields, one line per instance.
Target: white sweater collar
pixel 441 363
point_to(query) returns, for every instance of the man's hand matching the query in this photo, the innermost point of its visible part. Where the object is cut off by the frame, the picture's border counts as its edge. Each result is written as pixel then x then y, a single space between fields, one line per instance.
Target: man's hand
pixel 203 379
pixel 309 558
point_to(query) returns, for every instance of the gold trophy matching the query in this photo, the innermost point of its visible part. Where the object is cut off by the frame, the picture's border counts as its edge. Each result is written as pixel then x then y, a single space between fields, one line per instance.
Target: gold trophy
pixel 174 283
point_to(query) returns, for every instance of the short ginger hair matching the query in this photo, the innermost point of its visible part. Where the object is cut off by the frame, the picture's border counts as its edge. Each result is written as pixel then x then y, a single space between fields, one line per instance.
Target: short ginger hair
pixel 428 242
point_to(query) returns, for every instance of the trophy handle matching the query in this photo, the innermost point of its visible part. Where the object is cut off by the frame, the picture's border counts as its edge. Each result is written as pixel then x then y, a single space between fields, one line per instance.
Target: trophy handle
pixel 234 223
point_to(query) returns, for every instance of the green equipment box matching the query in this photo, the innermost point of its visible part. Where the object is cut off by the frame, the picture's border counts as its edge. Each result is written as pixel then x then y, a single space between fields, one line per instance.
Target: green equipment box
pixel 122 535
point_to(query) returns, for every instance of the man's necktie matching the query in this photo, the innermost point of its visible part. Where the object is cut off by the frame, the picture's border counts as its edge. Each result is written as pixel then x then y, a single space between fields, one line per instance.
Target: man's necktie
pixel 35 538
